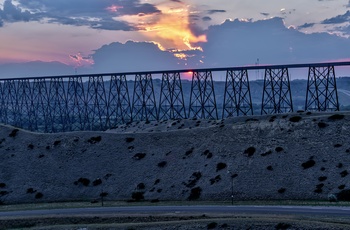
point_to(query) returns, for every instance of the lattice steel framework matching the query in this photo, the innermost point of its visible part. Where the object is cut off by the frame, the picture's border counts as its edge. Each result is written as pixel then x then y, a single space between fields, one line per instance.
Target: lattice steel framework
pixel 144 103
pixel 277 97
pixel 202 99
pixel 59 116
pixel 321 93
pixel 119 109
pixel 76 105
pixel 171 102
pixel 237 97
pixel 96 104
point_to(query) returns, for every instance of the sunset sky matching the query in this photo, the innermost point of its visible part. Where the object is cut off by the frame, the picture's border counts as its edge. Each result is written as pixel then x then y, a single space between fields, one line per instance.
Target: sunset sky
pixel 135 35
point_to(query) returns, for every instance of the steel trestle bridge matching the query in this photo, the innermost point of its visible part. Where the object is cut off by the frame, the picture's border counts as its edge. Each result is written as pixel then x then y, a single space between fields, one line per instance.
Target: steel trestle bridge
pixel 103 101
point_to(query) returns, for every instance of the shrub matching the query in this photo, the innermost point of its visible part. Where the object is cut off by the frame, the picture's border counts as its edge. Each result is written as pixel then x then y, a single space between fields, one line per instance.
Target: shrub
pixel 318 190
pixel 269 168
pixel 162 164
pixel 189 152
pixel 103 194
pixel 141 186
pixel 83 181
pixel 320 185
pixel 272 119
pixel 94 140
pixel 31 191
pixel 137 196
pixel 193 180
pixel 322 125
pixel 157 181
pixel 281 190
pixel 30 146
pixel 344 195
pixel 139 156
pixel 308 113
pixel 208 154
pixel 344 173
pixel 215 179
pixel 308 164
pixel 3 193
pixel 220 166
pixel 341 186
pixel 234 175
pixel 212 225
pixel 97 182
pixel 195 193
pixel 279 149
pixel 159 190
pixel 340 165
pixel 282 226
pixel 57 143
pixel 322 178
pixel 336 117
pixel 2 185
pixel 338 145
pixel 39 195
pixel 154 200
pixel 295 119
pixel 14 133
pixel 249 151
pixel 129 139
pixel 323 168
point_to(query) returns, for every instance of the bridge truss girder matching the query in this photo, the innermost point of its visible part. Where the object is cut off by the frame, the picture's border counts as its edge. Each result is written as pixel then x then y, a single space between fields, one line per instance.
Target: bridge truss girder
pixel 202 99
pixel 321 92
pixel 277 97
pixel 237 97
pixel 171 102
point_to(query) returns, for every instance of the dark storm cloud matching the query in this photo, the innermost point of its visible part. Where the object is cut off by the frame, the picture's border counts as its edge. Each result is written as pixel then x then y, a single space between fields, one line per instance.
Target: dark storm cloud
pixel 306 25
pixel 265 14
pixel 216 11
pixel 11 13
pixel 338 19
pixel 97 14
pixel 236 43
pixel 206 18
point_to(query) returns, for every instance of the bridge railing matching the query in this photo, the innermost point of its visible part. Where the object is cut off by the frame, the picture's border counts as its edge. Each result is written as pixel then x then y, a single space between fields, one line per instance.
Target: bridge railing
pixel 103 101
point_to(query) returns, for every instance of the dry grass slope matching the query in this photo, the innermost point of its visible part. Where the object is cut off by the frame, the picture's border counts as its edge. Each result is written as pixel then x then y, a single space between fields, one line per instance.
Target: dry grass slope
pixel 302 156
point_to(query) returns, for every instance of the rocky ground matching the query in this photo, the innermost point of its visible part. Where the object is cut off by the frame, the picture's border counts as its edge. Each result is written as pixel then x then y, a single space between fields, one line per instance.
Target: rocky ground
pixel 273 157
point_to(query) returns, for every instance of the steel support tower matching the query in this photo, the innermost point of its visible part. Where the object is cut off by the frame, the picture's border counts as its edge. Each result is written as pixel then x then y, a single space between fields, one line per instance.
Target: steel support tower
pixel 40 105
pixel 144 103
pixel 119 109
pixel 321 93
pixel 96 104
pixel 58 105
pixel 277 96
pixel 171 102
pixel 76 109
pixel 237 97
pixel 202 99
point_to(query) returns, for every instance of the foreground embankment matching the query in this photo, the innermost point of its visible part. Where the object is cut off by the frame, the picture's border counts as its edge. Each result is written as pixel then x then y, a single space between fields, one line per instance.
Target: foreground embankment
pixel 293 156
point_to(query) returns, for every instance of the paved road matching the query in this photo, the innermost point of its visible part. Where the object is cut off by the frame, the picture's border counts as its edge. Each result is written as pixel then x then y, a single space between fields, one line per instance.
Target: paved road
pixel 297 210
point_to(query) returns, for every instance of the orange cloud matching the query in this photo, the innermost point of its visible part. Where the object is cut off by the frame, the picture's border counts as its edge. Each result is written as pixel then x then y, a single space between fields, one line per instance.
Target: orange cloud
pixel 172 30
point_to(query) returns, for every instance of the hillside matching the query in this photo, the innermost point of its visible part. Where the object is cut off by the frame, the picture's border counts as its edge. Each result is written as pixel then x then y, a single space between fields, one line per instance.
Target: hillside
pixel 294 156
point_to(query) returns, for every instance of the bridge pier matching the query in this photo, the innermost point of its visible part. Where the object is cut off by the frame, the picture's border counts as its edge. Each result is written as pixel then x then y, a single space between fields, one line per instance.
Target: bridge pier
pixel 76 109
pixel 321 93
pixel 202 99
pixel 171 102
pixel 144 103
pixel 96 104
pixel 237 97
pixel 58 105
pixel 119 109
pixel 277 97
